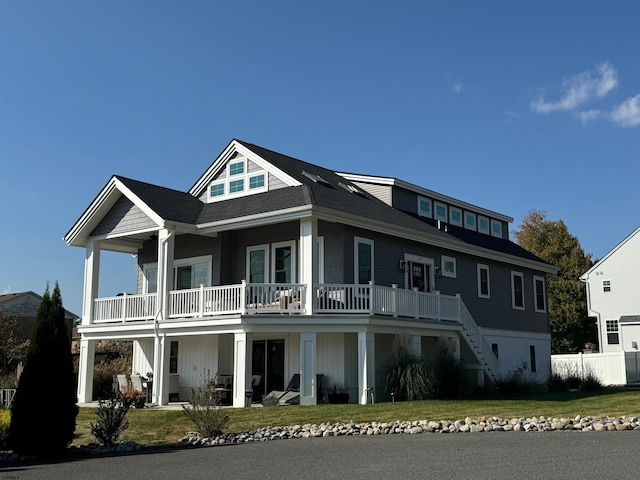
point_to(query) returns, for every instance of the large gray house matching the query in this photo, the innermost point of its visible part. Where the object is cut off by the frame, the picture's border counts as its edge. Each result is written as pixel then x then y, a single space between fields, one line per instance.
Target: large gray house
pixel 271 267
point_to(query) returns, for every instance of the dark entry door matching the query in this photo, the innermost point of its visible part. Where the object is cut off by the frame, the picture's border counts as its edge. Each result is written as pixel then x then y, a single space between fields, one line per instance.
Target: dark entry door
pixel 268 361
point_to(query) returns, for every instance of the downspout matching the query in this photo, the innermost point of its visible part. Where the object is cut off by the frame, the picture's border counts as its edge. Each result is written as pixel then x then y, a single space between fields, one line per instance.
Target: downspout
pixel 590 309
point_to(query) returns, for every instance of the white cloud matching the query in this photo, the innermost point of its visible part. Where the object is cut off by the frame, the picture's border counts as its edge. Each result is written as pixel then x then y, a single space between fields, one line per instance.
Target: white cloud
pixel 457 87
pixel 589 115
pixel 627 114
pixel 580 89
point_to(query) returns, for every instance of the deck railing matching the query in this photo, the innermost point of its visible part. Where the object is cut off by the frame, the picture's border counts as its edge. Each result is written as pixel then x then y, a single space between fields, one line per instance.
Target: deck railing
pixel 264 298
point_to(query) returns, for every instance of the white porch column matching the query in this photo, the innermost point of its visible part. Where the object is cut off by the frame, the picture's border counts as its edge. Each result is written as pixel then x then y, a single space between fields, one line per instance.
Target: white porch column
pixel 454 343
pixel 416 344
pixel 241 367
pixel 91 280
pixel 366 365
pixel 166 244
pixel 85 370
pixel 161 347
pixel 308 260
pixel 308 387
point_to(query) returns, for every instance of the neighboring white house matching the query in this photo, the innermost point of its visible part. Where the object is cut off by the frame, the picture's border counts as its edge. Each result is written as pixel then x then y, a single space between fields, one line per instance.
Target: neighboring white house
pixel 613 298
pixel 270 267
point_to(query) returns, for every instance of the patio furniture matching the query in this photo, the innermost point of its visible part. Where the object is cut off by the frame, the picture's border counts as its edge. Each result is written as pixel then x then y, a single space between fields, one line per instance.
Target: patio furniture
pixel 224 387
pixel 136 381
pixel 291 396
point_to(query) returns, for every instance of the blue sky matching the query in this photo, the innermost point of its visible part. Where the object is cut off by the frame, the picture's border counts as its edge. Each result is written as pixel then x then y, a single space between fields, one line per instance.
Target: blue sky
pixel 512 106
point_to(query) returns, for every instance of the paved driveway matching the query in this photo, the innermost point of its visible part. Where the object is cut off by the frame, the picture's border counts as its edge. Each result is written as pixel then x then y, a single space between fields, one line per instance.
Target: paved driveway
pixel 495 456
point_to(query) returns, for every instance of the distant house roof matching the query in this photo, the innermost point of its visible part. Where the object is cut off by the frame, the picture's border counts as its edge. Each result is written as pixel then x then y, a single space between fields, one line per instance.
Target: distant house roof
pixel 25 304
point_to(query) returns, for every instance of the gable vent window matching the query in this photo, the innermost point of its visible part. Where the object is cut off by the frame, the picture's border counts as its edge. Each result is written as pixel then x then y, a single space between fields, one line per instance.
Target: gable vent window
pixel 240 177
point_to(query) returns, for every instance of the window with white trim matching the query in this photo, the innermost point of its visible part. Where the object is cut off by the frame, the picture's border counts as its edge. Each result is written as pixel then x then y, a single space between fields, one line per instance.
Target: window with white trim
pixel 539 294
pixel 483 225
pixel 283 262
pixel 236 180
pixel 187 273
pixel 470 221
pixel 448 266
pixel 484 290
pixel 612 332
pixel 517 290
pixel 424 207
pixel 440 211
pixel 606 286
pixel 455 216
pixel 363 260
pixel 532 358
pixel 173 357
pixel 257 264
pixel 496 228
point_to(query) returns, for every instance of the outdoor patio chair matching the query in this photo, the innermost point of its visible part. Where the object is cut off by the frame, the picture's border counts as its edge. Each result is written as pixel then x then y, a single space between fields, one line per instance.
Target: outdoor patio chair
pixel 291 396
pixel 136 382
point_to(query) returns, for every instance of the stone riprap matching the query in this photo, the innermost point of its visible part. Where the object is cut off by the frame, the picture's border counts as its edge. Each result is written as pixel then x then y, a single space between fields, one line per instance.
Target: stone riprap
pixel 468 425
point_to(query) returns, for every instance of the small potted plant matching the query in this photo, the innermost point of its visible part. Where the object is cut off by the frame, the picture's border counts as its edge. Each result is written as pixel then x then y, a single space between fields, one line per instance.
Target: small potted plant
pixel 338 393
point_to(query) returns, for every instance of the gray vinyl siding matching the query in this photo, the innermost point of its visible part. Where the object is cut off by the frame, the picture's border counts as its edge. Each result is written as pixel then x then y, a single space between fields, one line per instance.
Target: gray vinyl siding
pixel 123 217
pixel 382 192
pixel 334 258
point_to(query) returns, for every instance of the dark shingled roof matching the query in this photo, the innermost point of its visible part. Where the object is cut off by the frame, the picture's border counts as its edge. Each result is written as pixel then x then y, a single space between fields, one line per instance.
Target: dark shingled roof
pixel 170 204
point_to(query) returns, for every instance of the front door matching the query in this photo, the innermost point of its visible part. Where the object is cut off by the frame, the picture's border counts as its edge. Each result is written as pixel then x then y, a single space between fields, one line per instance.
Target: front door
pixel 267 358
pixel 419 277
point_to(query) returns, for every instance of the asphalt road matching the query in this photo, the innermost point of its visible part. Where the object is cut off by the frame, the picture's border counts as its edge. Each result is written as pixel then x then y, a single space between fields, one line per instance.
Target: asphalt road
pixel 478 456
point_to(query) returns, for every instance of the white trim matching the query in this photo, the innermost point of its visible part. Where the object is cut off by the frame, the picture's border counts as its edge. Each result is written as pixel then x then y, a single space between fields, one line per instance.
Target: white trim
pixel 496 228
pixel 256 248
pixel 444 217
pixel 470 225
pixel 429 262
pixel 478 269
pixel 515 274
pixel 356 264
pixel 536 279
pixel 320 259
pixel 294 270
pixel 421 211
pixel 452 212
pixel 443 260
pixel 487 230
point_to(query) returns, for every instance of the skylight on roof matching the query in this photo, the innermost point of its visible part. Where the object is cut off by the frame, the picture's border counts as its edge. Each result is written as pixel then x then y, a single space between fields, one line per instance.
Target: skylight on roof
pixel 315 177
pixel 350 188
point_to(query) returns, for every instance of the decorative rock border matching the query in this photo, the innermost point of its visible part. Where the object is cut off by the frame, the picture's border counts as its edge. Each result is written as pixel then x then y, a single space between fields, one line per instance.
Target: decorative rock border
pixel 468 425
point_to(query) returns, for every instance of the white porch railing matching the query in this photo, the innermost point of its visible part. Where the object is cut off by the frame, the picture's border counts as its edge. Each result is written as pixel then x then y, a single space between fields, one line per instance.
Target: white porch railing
pixel 256 298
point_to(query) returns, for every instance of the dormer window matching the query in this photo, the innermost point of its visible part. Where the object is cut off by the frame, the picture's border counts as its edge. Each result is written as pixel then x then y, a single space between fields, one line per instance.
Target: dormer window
pixel 240 177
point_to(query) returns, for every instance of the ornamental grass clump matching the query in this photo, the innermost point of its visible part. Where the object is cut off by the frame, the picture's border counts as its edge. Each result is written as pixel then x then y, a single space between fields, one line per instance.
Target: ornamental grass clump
pixel 204 409
pixel 111 422
pixel 5 421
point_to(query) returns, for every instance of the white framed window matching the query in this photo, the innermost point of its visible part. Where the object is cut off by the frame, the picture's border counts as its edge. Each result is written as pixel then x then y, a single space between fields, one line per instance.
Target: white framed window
pixel 258 264
pixel 539 294
pixel 187 273
pixel 606 286
pixel 283 262
pixel 173 357
pixel 496 228
pixel 484 286
pixel 483 224
pixel 424 207
pixel 517 290
pixel 440 211
pixel 613 337
pixel 237 180
pixel 362 260
pixel 455 216
pixel 448 266
pixel 532 358
pixel 470 221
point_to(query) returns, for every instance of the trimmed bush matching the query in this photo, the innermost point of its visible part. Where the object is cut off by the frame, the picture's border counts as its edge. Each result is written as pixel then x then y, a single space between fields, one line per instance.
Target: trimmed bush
pixel 446 375
pixel 5 421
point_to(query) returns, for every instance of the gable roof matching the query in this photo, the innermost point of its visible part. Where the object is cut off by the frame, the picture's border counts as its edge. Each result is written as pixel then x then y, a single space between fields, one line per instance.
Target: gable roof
pixel 7 299
pixel 310 189
pixel 585 276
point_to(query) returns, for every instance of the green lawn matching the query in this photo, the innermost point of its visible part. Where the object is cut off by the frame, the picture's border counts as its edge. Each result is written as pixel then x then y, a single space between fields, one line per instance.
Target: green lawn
pixel 167 426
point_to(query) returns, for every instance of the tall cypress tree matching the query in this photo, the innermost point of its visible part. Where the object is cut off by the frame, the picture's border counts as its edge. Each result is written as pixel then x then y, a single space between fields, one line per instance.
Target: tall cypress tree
pixel 44 409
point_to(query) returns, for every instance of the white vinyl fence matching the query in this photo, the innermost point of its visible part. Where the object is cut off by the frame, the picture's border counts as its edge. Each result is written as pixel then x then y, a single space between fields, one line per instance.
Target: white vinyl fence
pixel 609 368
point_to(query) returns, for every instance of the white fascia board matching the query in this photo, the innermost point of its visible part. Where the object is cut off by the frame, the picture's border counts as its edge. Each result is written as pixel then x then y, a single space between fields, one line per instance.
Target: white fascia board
pixel 425 192
pixel 278 216
pixel 219 163
pixel 106 199
pixel 585 276
pixel 422 237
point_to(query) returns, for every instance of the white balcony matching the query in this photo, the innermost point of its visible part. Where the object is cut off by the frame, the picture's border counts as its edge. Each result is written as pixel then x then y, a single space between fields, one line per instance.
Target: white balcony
pixel 264 298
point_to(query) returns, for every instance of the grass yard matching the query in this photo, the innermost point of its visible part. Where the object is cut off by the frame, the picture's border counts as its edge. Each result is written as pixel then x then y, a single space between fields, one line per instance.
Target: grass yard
pixel 167 426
